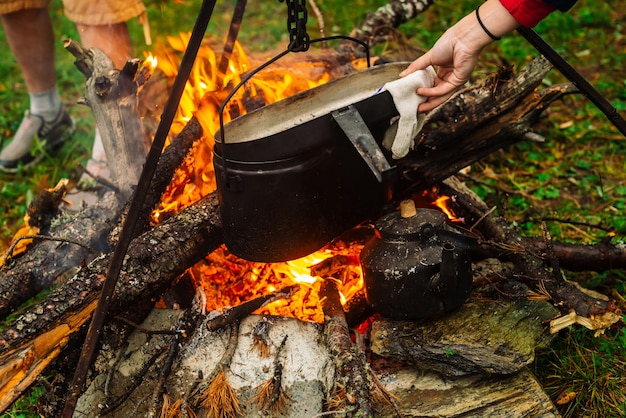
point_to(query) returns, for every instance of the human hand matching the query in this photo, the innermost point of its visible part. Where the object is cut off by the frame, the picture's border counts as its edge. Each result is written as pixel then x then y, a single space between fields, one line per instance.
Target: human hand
pixel 455 60
pixel 456 52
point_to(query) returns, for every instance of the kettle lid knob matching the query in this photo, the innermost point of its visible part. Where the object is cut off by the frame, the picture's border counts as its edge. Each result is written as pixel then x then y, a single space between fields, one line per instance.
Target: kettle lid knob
pixel 407 208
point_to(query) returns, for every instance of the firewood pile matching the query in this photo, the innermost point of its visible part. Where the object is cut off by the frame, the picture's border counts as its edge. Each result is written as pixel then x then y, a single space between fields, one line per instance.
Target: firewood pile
pixel 188 362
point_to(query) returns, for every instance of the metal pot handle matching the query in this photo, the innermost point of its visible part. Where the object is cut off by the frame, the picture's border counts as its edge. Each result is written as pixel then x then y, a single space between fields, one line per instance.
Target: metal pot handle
pixel 352 124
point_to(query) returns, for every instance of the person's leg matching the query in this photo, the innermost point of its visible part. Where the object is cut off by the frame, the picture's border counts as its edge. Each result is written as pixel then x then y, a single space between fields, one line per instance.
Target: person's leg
pixel 30 37
pixel 113 40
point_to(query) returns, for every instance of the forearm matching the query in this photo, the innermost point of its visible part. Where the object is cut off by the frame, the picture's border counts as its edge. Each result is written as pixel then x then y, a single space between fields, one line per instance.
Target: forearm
pixel 495 18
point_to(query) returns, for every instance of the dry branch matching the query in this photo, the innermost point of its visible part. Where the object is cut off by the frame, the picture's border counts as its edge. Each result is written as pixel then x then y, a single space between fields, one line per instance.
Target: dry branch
pixel 376 26
pixel 531 269
pixel 579 257
pixel 239 312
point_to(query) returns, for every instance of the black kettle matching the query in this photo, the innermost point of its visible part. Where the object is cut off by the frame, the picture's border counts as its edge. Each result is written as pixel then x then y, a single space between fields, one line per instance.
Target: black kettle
pixel 416 265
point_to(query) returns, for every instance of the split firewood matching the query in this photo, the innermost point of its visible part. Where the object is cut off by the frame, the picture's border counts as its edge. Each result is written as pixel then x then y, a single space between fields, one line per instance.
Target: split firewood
pixel 112 96
pixel 600 312
pixel 270 397
pixel 215 395
pixel 187 325
pixel 351 392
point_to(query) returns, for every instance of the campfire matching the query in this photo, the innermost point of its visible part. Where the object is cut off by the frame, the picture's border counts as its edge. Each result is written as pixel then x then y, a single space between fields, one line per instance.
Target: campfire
pixel 223 279
pixel 300 342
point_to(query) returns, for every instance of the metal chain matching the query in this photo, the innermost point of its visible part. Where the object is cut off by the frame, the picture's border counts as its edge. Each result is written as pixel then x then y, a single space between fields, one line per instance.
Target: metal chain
pixel 299 39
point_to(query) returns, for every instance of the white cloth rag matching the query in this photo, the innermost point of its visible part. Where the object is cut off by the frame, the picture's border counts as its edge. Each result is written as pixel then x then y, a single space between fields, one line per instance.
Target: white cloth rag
pixel 399 137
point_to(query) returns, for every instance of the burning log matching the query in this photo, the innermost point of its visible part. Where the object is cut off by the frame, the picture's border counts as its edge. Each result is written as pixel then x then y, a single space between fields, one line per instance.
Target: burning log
pixel 48 261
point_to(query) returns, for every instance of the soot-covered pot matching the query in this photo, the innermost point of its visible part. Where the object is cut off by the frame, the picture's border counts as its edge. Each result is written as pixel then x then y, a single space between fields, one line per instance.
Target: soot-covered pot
pixel 416 266
pixel 294 175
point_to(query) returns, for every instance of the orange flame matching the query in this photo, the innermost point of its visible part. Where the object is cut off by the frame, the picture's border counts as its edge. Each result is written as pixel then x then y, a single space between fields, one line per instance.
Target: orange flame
pixel 228 281
pixel 443 203
pixel 203 95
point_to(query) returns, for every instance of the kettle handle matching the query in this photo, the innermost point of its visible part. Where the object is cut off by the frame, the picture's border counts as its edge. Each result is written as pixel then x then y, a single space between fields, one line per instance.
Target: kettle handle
pixel 353 126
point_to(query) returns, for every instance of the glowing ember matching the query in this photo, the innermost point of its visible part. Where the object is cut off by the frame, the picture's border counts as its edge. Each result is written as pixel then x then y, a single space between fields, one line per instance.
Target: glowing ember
pixel 229 281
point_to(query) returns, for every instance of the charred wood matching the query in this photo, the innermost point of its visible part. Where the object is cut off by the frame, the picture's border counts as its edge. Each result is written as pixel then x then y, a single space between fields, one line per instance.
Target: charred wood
pixel 47 262
pixel 154 261
pixel 50 262
pixel 496 113
pixel 238 313
pixel 171 158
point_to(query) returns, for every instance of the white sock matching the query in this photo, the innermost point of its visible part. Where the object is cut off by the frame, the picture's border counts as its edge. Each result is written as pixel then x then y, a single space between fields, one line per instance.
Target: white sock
pixel 46 104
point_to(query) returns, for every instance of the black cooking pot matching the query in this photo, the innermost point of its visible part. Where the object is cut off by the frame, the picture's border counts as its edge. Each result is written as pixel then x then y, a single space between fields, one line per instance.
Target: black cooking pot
pixel 294 175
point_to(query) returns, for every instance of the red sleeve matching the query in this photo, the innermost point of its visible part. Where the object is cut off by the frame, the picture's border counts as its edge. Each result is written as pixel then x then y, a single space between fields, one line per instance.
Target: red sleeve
pixel 528 12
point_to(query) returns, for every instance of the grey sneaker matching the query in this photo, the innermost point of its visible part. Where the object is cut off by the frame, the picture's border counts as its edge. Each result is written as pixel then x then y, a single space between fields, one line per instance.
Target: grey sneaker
pixel 18 153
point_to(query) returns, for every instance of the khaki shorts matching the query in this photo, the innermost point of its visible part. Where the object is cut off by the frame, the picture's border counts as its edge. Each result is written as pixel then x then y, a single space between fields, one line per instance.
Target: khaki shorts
pixel 10 6
pixel 86 12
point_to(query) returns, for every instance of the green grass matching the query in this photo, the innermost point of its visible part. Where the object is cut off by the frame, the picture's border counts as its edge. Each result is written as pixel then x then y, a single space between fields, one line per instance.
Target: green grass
pixel 579 173
pixel 589 380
